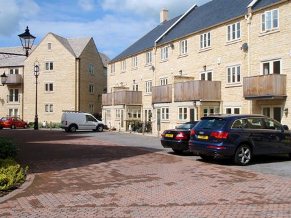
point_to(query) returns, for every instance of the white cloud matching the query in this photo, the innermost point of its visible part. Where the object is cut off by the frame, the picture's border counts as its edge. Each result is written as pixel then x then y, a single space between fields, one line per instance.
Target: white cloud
pixel 86 5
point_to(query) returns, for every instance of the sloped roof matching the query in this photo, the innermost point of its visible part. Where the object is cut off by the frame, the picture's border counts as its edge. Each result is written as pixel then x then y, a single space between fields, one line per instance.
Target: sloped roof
pixel 105 59
pixel 12 60
pixel 146 41
pixel 198 19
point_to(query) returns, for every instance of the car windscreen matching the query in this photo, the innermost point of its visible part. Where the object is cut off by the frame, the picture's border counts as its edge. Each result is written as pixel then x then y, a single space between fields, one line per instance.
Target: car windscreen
pixel 186 126
pixel 211 123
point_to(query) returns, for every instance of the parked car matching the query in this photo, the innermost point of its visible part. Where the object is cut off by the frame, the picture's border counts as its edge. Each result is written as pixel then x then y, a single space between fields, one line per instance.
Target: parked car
pixel 178 138
pixel 12 122
pixel 72 121
pixel 240 137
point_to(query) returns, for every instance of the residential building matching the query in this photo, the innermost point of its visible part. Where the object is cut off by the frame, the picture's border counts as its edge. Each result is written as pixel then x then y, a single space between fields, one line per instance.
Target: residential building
pixel 226 56
pixel 72 76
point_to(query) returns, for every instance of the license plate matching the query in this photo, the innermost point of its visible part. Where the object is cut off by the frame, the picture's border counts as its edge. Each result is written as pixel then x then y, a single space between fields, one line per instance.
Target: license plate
pixel 205 137
pixel 169 135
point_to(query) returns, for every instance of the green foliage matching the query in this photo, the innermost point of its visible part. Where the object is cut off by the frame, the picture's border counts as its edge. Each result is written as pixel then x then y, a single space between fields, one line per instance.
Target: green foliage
pixel 7 148
pixel 11 174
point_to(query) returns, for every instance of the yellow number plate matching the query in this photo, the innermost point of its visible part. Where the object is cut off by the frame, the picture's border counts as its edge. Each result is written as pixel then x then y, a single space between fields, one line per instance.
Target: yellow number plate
pixel 169 135
pixel 202 137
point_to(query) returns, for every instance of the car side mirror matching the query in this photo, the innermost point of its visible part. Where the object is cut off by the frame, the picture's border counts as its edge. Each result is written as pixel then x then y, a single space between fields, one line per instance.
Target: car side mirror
pixel 285 127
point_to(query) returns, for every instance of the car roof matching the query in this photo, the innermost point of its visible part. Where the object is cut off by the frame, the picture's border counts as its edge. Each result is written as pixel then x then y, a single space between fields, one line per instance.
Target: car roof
pixel 233 116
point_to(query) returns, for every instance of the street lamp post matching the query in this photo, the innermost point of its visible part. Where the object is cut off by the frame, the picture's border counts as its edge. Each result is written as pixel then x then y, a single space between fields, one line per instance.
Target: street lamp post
pixel 36 74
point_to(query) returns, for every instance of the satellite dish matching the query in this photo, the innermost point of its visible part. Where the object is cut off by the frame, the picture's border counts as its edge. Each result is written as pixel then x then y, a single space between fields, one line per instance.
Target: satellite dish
pixel 244 47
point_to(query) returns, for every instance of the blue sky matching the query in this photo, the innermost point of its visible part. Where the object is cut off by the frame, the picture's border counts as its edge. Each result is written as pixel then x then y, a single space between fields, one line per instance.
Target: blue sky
pixel 113 24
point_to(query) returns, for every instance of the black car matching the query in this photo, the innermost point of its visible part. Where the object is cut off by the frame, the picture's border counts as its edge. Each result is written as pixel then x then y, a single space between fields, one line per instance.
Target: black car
pixel 178 138
pixel 240 137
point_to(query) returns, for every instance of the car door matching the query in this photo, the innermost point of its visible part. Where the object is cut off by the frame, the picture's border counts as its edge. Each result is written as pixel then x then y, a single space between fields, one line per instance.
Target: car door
pixel 90 122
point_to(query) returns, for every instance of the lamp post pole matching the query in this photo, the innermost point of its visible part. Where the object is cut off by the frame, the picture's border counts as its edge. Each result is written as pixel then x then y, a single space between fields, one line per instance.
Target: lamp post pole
pixel 36 74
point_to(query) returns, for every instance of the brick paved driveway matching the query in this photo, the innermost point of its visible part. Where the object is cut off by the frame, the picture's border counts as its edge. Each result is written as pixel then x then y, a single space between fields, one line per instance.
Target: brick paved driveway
pixel 80 176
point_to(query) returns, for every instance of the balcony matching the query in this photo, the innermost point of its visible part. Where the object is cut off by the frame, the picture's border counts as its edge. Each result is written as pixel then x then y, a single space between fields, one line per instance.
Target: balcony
pixel 14 79
pixel 271 86
pixel 162 94
pixel 122 98
pixel 198 90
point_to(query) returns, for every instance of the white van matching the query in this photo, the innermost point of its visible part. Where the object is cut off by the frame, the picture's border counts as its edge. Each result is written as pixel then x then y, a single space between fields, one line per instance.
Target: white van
pixel 73 121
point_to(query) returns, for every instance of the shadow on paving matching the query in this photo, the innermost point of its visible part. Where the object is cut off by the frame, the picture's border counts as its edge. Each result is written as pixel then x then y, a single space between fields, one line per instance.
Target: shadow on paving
pixel 49 150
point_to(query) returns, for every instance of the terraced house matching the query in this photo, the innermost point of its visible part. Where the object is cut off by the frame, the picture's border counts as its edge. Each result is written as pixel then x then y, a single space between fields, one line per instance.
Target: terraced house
pixel 226 56
pixel 72 76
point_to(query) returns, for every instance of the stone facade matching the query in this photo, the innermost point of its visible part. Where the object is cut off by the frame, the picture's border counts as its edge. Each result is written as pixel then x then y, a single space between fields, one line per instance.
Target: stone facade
pixel 230 62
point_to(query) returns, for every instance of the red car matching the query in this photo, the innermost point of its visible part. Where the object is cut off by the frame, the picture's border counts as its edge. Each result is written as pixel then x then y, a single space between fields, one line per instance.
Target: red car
pixel 12 122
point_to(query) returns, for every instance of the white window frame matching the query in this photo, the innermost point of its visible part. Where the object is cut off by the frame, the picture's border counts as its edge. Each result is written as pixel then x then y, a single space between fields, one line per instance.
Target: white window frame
pixel 164 81
pixel 210 110
pixel 49 87
pixel 165 113
pixel 135 87
pixel 270 20
pixel 232 110
pixel 49 65
pixel 233 74
pixel 182 113
pixel 233 32
pixel 13 112
pixel 148 86
pixel 49 108
pixel 183 47
pixel 14 71
pixel 123 66
pixel 14 96
pixel 91 108
pixel 91 88
pixel 208 75
pixel 164 53
pixel 271 67
pixel 149 58
pixel 134 62
pixel 205 40
pixel 91 69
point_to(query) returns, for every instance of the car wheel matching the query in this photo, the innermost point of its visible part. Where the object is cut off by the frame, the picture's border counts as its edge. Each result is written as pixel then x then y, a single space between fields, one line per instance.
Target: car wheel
pixel 243 155
pixel 100 128
pixel 72 128
pixel 25 126
pixel 13 126
pixel 177 151
pixel 206 157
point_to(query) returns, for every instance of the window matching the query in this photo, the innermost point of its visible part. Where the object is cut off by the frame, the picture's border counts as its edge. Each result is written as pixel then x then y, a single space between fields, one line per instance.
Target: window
pixel 49 108
pixel 206 76
pixel 205 40
pixel 232 110
pixel 91 88
pixel 14 71
pixel 134 61
pixel 233 74
pixel 49 65
pixel 270 20
pixel 49 46
pixel 233 32
pixel 135 87
pixel 165 113
pixel 49 87
pixel 271 67
pixel 13 95
pixel 149 58
pixel 148 86
pixel 210 110
pixel 13 112
pixel 112 68
pixel 134 113
pixel 164 53
pixel 147 115
pixel 91 108
pixel 123 66
pixel 163 81
pixel 117 114
pixel 91 69
pixel 183 111
pixel 183 47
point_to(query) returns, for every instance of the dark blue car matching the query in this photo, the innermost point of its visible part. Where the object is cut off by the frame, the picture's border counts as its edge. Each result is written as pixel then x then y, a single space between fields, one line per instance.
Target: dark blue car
pixel 240 137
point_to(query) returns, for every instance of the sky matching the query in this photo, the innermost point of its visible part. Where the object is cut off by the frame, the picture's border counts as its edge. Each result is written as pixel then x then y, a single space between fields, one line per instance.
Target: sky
pixel 113 24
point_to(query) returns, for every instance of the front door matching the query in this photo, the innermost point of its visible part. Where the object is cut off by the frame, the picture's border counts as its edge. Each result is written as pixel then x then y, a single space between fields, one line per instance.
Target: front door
pixel 273 112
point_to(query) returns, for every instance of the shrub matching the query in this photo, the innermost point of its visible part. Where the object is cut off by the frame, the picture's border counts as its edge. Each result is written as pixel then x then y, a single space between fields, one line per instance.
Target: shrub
pixel 7 148
pixel 11 174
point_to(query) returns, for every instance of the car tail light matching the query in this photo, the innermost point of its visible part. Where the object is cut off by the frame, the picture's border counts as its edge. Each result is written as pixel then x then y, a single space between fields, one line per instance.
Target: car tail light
pixel 192 132
pixel 219 135
pixel 181 135
pixel 216 147
pixel 163 134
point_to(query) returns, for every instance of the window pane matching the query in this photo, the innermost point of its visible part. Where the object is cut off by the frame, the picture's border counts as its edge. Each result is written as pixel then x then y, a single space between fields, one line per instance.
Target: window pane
pixel 238 73
pixel 266 68
pixel 275 18
pixel 276 67
pixel 263 22
pixel 236 111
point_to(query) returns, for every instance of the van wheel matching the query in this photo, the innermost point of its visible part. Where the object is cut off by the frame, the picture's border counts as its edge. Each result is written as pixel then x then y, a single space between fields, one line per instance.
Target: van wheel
pixel 100 128
pixel 72 128
pixel 243 155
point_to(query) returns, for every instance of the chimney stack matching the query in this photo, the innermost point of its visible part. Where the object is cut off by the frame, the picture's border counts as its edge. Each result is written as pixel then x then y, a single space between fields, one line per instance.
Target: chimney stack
pixel 164 15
